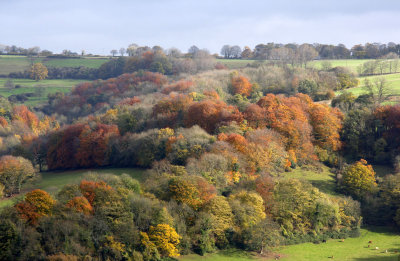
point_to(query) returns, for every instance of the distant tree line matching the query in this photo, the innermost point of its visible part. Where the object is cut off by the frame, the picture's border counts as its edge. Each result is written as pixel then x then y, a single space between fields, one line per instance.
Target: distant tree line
pixel 274 51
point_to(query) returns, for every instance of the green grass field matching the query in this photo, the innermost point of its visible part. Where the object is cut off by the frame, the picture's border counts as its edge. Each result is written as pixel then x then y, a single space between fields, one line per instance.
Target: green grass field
pixel 393 81
pixel 11 63
pixel 324 180
pixel 352 249
pixel 87 62
pixel 352 64
pixel 31 86
pixel 53 181
pixel 225 255
pixel 235 63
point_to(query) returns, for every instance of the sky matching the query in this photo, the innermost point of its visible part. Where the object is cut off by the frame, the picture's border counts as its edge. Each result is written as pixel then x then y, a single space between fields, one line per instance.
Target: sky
pixel 102 25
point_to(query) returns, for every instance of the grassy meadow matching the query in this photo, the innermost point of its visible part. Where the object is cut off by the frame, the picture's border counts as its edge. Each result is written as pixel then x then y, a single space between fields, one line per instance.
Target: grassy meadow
pixel 53 181
pixel 352 64
pixel 16 63
pixel 351 249
pixel 31 86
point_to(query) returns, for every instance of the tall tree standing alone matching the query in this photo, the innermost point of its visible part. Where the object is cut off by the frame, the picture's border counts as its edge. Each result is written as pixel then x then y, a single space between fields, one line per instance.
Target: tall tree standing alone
pixel 38 72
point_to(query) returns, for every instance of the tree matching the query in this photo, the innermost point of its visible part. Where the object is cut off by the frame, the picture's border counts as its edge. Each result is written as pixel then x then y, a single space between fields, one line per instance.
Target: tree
pixel 306 53
pixel 113 52
pixel 241 85
pixel 193 50
pixel 183 191
pixel 37 203
pixel 247 53
pixel 14 171
pixel 226 51
pixel 80 204
pixel 165 239
pixel 38 72
pixel 122 51
pixel 378 89
pixel 359 179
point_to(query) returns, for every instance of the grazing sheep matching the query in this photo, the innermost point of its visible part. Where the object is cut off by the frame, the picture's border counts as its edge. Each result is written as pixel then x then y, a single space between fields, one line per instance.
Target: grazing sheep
pixel 342 240
pixel 368 246
pixel 324 241
pixel 376 248
pixel 370 242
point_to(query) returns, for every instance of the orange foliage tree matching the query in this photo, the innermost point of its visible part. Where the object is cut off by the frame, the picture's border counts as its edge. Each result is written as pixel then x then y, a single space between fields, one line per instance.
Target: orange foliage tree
pixel 326 123
pixel 80 204
pixel 241 85
pixel 37 203
pixel 23 114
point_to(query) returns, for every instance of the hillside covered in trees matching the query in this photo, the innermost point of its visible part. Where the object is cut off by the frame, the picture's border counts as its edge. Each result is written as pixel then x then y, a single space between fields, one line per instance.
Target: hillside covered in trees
pixel 218 148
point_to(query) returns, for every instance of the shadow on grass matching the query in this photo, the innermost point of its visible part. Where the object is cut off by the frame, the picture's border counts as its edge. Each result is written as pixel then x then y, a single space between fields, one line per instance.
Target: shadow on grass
pixel 377 258
pixel 236 253
pixel 326 186
pixel 386 230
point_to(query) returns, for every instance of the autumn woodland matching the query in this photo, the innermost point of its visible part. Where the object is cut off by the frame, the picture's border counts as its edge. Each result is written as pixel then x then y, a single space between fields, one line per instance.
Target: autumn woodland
pixel 218 141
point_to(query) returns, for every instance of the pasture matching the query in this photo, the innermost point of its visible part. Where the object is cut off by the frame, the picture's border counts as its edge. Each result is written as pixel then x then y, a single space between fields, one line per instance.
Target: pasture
pixel 235 63
pixel 16 63
pixel 393 82
pixel 53 181
pixel 351 249
pixel 352 64
pixel 41 88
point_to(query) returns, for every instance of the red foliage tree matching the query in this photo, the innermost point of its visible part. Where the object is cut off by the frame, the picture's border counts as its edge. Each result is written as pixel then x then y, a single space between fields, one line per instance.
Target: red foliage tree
pixel 129 101
pixel 37 203
pixel 88 189
pixel 93 145
pixel 210 114
pixel 180 86
pixel 389 116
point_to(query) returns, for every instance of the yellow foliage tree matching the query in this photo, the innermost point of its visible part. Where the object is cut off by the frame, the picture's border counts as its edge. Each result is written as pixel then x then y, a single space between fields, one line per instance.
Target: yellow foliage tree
pixel 39 72
pixel 165 239
pixel 359 178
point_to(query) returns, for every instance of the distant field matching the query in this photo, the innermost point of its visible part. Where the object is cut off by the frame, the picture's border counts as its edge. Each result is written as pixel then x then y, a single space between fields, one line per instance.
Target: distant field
pixel 31 86
pixel 9 64
pixel 52 182
pixel 352 64
pixel 393 81
pixel 87 62
pixel 235 63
